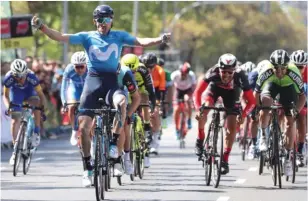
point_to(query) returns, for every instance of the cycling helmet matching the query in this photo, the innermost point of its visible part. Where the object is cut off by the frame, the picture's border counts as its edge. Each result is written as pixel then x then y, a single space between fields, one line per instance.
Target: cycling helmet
pixel 227 61
pixel 131 61
pixel 279 57
pixel 161 62
pixel 262 65
pixel 149 60
pixel 248 66
pixel 185 68
pixel 103 11
pixel 140 57
pixel 79 58
pixel 19 67
pixel 299 57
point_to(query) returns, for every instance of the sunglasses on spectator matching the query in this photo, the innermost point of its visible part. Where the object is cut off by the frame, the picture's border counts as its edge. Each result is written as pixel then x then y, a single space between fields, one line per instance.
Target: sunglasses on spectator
pixel 104 20
pixel 79 66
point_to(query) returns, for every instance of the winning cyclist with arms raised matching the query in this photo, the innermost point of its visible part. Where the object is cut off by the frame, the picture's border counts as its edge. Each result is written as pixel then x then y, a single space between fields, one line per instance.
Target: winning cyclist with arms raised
pixel 103 47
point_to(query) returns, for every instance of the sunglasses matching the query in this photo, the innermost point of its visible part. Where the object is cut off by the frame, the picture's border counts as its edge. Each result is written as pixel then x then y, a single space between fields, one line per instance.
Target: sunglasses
pixel 281 66
pixel 79 66
pixel 300 66
pixel 18 76
pixel 104 20
pixel 226 72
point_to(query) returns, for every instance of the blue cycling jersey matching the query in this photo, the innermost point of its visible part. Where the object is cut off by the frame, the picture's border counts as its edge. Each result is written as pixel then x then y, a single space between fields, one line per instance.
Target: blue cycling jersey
pixel 103 51
pixel 10 82
pixel 71 80
pixel 126 80
pixel 252 78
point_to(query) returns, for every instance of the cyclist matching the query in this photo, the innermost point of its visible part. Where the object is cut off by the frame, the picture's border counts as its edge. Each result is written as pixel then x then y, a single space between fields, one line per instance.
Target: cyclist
pixel 21 84
pixel 300 59
pixel 127 84
pixel 145 85
pixel 253 124
pixel 280 77
pixel 223 80
pixel 248 67
pixel 103 47
pixel 169 91
pixel 159 82
pixel 71 88
pixel 184 81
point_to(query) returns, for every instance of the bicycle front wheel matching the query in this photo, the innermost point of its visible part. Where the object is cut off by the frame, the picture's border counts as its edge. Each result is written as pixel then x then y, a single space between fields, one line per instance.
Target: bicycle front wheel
pixel 217 158
pixel 99 178
pixel 132 153
pixel 27 157
pixel 18 147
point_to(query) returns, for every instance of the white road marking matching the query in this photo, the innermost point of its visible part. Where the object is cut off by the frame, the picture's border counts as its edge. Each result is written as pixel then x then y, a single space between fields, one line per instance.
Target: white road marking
pixel 252 169
pixel 38 159
pixel 223 198
pixel 2 168
pixel 240 181
pixel 71 152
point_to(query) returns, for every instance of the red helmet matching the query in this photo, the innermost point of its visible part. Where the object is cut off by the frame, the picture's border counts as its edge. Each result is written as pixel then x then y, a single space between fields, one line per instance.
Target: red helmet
pixel 185 68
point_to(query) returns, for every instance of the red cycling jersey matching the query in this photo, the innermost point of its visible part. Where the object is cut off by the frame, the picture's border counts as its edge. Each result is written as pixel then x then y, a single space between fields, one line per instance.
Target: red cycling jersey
pixel 240 80
pixel 304 74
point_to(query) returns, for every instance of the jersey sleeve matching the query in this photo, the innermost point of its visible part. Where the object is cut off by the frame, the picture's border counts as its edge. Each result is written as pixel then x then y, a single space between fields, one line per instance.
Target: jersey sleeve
pixel 33 79
pixel 127 39
pixel 173 75
pixel 148 83
pixel 8 80
pixel 78 38
pixel 193 78
pixel 64 85
pixel 244 81
pixel 296 78
pixel 262 78
pixel 130 82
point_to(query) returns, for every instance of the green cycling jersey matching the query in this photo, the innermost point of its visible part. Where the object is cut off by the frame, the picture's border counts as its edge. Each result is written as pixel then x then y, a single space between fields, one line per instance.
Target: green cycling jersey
pixel 168 75
pixel 292 77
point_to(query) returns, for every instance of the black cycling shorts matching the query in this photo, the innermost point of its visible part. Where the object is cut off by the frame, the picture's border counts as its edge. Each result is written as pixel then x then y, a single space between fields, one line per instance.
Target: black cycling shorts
pixel 230 97
pixel 97 86
pixel 179 94
pixel 287 95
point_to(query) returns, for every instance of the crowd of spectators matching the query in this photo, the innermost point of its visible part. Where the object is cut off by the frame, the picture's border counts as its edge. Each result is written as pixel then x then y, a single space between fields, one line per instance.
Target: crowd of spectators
pixel 50 74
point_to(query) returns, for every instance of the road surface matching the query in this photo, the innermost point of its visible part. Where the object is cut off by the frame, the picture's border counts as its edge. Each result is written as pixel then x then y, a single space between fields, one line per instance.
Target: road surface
pixel 175 174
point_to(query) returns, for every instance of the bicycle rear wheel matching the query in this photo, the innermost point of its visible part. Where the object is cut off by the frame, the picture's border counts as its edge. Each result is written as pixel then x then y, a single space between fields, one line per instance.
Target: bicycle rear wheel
pixel 132 153
pixel 99 178
pixel 261 162
pixel 140 163
pixel 18 147
pixel 277 161
pixel 294 165
pixel 182 127
pixel 244 140
pixel 217 158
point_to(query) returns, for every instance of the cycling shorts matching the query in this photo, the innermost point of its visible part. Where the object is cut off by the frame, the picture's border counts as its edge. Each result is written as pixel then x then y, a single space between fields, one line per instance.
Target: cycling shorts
pixel 287 95
pixel 18 96
pixel 179 94
pixel 230 97
pixel 97 86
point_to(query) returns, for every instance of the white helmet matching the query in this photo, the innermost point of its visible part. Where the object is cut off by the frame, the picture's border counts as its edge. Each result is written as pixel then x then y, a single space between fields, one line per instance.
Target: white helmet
pixel 299 57
pixel 262 65
pixel 79 58
pixel 19 67
pixel 248 66
pixel 226 61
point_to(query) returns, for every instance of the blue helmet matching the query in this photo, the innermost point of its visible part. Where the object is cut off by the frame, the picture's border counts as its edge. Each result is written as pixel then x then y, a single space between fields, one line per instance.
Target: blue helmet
pixel 102 11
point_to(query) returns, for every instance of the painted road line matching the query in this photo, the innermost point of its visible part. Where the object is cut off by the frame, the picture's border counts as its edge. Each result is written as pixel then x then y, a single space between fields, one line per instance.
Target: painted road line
pixel 252 169
pixel 223 198
pixel 240 181
pixel 38 159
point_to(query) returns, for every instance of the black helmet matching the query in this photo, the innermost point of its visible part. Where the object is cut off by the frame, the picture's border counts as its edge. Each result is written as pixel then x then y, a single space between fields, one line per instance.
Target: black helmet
pixel 161 62
pixel 279 57
pixel 140 57
pixel 149 60
pixel 102 11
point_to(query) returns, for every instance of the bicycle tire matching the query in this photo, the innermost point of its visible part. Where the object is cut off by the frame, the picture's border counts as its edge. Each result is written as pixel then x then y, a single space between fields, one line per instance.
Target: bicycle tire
pixel 106 166
pixel 27 159
pixel 181 130
pixel 132 153
pixel 140 164
pixel 119 180
pixel 294 165
pixel 218 165
pixel 261 162
pixel 98 171
pixel 207 159
pixel 277 157
pixel 18 147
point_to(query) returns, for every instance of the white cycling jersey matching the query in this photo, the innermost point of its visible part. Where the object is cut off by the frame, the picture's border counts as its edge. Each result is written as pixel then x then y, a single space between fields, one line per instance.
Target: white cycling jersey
pixel 181 84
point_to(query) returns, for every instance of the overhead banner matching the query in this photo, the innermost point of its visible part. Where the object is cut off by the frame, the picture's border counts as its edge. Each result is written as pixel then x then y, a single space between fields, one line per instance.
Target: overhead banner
pixel 16 32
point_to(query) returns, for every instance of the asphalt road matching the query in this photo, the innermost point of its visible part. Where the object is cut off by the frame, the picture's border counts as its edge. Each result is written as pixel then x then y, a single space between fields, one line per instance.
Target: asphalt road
pixel 175 174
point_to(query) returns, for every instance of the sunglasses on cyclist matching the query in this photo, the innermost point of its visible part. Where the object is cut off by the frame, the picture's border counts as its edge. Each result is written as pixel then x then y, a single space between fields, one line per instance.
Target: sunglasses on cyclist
pixel 18 76
pixel 104 20
pixel 300 66
pixel 226 72
pixel 281 66
pixel 79 66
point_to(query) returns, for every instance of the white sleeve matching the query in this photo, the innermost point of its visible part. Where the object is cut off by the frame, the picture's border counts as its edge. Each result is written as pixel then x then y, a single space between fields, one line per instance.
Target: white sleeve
pixel 193 77
pixel 174 75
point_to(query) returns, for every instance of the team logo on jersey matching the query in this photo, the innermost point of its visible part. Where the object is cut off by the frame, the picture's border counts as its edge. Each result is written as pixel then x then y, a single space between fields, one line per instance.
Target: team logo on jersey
pixel 297 79
pixel 9 81
pixel 96 52
pixel 264 76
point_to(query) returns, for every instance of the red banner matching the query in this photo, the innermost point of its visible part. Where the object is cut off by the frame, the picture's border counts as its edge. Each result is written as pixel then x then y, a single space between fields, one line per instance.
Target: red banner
pixel 5 28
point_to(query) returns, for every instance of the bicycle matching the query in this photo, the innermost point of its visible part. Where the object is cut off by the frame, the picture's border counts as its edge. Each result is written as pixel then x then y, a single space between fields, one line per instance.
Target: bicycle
pixel 183 128
pixel 244 142
pixel 276 152
pixel 211 158
pixel 102 136
pixel 23 144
